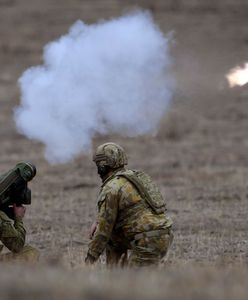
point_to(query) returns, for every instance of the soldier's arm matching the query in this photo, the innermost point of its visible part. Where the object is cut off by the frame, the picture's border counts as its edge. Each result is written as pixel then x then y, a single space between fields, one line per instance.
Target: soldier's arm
pixel 106 220
pixel 12 235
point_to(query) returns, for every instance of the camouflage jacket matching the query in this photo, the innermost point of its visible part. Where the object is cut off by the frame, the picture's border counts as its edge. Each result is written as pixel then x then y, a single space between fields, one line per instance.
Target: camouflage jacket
pixel 12 235
pixel 122 213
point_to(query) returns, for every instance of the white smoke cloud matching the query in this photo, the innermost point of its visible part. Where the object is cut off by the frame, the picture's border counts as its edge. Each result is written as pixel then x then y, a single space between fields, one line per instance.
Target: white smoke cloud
pixel 109 77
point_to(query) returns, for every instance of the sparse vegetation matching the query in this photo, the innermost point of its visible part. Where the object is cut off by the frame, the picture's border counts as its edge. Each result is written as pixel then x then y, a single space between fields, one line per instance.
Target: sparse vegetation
pixel 199 159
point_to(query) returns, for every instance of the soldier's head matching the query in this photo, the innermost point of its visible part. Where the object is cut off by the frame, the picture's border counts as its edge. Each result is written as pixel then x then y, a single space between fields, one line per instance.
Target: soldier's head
pixel 109 157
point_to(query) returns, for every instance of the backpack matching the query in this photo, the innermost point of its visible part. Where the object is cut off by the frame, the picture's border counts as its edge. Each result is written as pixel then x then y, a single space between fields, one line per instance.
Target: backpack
pixel 147 189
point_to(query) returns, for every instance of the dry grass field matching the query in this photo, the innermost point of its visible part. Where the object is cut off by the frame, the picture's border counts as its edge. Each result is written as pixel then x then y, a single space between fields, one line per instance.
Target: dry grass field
pixel 199 158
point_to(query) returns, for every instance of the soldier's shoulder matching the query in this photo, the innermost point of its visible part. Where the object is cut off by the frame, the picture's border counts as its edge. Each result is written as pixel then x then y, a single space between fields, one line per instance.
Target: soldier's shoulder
pixel 4 217
pixel 114 184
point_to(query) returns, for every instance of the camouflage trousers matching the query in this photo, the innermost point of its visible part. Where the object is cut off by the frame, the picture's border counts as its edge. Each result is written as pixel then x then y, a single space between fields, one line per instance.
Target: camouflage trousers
pixel 27 254
pixel 145 251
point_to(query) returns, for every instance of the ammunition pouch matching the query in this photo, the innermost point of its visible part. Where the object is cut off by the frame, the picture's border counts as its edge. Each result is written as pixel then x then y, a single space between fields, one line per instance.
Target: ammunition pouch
pixel 150 234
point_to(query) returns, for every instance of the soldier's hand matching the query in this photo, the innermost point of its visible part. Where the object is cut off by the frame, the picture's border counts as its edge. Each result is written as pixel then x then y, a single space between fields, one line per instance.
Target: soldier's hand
pixel 19 211
pixel 93 230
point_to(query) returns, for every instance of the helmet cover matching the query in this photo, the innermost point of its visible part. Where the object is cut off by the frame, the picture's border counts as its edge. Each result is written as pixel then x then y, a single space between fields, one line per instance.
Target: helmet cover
pixel 110 154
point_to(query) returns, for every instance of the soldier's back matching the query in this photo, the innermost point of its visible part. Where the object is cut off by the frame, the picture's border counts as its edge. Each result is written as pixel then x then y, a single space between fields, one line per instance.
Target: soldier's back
pixel 135 214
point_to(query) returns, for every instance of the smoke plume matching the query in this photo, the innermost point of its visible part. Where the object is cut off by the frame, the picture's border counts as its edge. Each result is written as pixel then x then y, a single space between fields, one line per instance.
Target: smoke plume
pixel 109 77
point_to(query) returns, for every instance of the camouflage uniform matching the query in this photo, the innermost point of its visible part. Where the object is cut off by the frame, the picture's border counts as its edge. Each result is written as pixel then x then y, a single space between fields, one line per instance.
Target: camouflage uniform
pixel 13 237
pixel 126 221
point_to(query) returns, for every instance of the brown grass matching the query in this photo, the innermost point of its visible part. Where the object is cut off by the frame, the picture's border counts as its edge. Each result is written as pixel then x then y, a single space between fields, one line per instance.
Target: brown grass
pixel 186 282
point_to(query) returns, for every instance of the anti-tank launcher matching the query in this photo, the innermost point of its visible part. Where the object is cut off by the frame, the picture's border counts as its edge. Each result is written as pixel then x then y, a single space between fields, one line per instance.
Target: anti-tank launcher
pixel 14 187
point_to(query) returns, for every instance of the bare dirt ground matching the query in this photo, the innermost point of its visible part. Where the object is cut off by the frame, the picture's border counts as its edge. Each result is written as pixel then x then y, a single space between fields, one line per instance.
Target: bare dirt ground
pixel 199 158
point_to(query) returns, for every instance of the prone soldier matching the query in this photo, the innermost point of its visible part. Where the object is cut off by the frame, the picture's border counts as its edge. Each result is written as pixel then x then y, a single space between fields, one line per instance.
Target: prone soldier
pixel 131 214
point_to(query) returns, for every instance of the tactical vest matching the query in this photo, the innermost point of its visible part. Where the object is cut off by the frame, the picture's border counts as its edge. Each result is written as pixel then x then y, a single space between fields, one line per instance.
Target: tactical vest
pixel 146 188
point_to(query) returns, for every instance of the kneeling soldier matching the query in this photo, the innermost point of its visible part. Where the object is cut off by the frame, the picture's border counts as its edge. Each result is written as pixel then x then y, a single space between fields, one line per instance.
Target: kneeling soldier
pixel 14 192
pixel 131 214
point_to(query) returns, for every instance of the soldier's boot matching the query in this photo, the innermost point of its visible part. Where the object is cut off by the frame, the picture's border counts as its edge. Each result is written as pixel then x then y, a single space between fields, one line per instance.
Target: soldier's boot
pixel 27 254
pixel 150 250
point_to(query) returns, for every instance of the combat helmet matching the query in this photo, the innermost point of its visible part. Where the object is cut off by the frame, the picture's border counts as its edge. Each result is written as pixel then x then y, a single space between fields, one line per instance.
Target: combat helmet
pixel 111 155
